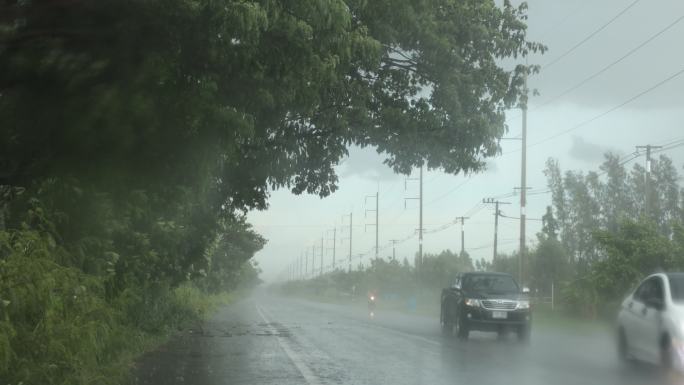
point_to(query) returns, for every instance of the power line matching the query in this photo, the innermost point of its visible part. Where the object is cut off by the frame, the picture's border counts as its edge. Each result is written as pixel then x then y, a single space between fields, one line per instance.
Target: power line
pixel 562 21
pixel 517 218
pixel 475 209
pixel 630 158
pixel 591 35
pixel 609 66
pixel 602 70
pixel 669 141
pixel 597 117
pixel 670 146
pixel 449 192
pixel 490 245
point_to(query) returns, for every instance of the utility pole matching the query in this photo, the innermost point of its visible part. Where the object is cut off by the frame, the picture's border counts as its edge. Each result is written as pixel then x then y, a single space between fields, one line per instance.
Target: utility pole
pixel 523 184
pixel 462 219
pixel 496 204
pixel 377 220
pixel 334 242
pixel 334 247
pixel 313 261
pixel 647 183
pixel 376 224
pixel 350 238
pixel 420 222
pixel 394 255
pixel 322 250
pixel 496 229
pixel 306 264
pixel 419 260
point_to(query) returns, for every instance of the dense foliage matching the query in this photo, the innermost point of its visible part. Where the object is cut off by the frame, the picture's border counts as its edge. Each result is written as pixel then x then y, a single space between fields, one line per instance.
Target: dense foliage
pixel 606 231
pixel 246 95
pixel 136 134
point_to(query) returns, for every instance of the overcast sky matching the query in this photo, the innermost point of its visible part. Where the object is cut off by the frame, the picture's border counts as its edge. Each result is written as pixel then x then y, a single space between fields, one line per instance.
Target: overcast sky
pixel 556 128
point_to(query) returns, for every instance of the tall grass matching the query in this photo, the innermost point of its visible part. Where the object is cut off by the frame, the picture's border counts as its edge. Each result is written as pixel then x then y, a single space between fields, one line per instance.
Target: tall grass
pixel 58 327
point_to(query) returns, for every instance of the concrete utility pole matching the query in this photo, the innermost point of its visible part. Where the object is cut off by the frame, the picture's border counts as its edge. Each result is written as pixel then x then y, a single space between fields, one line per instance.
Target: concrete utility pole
pixel 523 186
pixel 647 185
pixel 334 242
pixel 322 249
pixel 420 222
pixel 394 254
pixel 377 220
pixel 419 260
pixel 496 204
pixel 462 233
pixel 350 238
pixel 376 224
pixel 313 260
pixel 306 264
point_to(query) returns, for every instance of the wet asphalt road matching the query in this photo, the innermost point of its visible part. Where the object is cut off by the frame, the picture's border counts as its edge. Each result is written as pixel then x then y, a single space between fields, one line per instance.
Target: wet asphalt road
pixel 275 340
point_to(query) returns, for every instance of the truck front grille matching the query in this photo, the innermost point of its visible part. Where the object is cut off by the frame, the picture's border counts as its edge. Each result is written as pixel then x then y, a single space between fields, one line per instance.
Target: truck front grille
pixel 498 304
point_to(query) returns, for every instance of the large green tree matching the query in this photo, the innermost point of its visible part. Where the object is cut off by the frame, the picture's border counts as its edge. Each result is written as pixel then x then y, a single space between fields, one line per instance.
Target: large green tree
pixel 257 94
pixel 135 134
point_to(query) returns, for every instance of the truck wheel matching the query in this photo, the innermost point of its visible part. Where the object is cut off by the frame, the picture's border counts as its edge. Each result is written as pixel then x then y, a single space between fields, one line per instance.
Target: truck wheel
pixel 445 325
pixel 524 333
pixel 461 329
pixel 666 352
pixel 622 346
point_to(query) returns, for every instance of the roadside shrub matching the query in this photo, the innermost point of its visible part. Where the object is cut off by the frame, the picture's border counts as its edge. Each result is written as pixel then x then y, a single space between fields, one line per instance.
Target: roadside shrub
pixel 56 327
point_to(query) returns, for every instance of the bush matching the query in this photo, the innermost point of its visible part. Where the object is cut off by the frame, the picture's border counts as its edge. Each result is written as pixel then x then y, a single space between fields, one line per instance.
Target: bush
pixel 56 327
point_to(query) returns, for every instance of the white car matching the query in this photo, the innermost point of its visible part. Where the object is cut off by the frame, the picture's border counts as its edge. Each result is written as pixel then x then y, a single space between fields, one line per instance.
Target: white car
pixel 651 321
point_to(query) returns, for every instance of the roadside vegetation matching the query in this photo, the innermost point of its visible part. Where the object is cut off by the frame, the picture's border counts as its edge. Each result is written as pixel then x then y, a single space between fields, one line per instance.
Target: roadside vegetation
pixel 604 231
pixel 602 234
pixel 77 304
pixel 136 135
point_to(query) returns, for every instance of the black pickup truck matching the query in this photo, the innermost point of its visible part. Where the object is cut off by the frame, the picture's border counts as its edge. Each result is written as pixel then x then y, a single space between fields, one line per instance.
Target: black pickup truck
pixel 485 302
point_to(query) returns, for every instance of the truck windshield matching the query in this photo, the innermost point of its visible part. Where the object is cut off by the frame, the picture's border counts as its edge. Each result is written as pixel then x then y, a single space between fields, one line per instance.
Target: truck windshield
pixel 676 286
pixel 490 284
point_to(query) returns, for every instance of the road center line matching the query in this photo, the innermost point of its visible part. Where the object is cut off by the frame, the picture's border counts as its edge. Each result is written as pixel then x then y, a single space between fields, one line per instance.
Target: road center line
pixel 304 370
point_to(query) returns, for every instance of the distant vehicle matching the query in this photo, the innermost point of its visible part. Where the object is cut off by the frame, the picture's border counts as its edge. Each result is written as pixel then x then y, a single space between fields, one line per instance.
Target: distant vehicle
pixel 490 302
pixel 371 301
pixel 650 323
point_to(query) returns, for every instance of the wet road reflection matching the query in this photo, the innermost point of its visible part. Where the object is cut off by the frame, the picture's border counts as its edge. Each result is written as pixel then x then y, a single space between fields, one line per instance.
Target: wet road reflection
pixel 273 340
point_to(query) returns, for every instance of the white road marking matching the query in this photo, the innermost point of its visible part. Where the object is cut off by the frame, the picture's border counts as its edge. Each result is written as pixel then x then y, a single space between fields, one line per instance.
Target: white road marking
pixel 309 347
pixel 308 375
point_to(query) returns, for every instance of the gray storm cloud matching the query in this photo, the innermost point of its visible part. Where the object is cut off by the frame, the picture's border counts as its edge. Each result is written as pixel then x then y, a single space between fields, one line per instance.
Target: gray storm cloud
pixel 366 163
pixel 586 151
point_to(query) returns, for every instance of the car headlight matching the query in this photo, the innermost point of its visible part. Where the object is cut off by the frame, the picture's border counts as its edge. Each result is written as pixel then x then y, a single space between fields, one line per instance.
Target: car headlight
pixel 472 302
pixel 523 305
